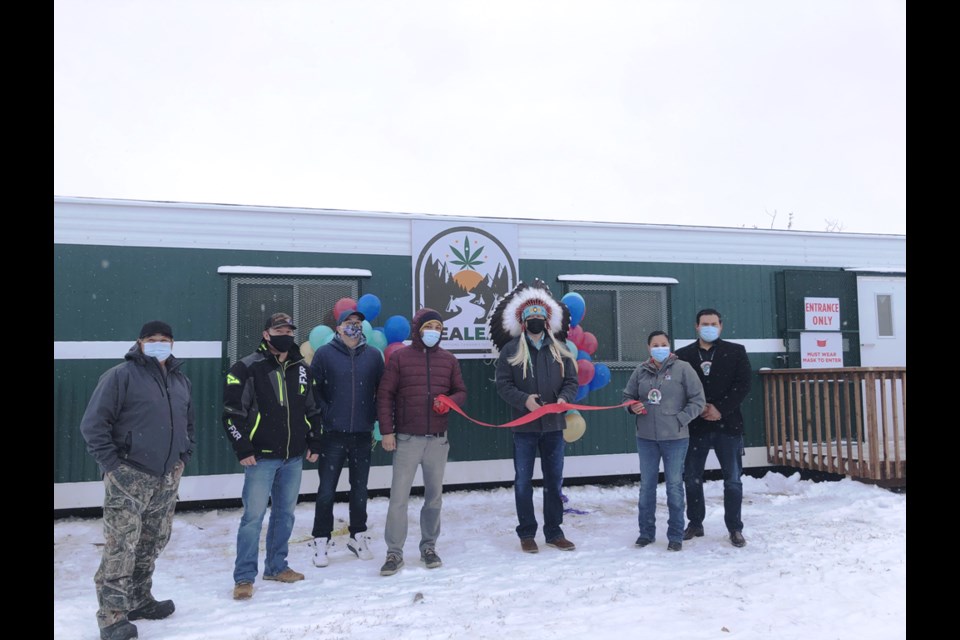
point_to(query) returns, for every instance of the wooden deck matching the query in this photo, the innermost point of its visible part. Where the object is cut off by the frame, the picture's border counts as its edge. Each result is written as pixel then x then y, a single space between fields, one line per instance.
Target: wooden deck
pixel 850 421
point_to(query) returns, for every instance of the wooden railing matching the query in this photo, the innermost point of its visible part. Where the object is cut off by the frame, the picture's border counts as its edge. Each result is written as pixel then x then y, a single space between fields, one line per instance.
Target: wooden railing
pixel 850 421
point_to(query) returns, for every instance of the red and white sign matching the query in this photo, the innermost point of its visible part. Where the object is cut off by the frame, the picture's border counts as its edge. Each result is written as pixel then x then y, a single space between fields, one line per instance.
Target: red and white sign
pixel 821 314
pixel 821 350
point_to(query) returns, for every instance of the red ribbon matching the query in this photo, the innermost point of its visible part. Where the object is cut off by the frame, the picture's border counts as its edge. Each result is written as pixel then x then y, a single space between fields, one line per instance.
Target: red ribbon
pixel 533 415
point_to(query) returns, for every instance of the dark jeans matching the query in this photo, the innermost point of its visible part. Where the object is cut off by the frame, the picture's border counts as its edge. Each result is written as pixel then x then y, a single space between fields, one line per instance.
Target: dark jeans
pixel 337 448
pixel 525 446
pixel 729 450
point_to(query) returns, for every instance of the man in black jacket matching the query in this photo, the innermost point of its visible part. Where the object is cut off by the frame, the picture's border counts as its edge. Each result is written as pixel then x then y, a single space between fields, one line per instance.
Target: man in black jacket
pixel 724 370
pixel 138 426
pixel 269 410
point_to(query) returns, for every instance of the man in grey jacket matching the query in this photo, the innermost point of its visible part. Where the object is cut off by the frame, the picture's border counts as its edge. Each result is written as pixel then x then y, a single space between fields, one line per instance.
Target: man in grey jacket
pixel 138 426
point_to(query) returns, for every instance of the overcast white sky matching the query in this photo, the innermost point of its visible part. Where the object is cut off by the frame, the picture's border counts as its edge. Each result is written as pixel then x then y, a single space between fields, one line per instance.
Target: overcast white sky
pixel 691 112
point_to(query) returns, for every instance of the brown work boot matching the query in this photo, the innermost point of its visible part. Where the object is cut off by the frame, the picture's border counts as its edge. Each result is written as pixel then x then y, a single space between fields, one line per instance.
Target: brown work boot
pixel 242 591
pixel 561 543
pixel 287 575
pixel 529 545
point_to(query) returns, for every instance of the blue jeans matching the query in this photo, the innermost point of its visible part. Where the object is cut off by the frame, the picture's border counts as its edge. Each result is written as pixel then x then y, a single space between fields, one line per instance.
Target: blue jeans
pixel 525 446
pixel 336 448
pixel 673 453
pixel 729 450
pixel 279 482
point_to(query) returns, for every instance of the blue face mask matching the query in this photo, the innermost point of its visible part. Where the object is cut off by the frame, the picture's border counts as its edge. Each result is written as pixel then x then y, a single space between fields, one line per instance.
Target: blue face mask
pixel 353 331
pixel 431 337
pixel 159 350
pixel 709 334
pixel 659 353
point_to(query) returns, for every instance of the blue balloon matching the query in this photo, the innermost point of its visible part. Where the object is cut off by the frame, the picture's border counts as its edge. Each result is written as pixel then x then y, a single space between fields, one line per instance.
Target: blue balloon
pixel 582 392
pixel 601 376
pixel 369 306
pixel 577 306
pixel 583 355
pixel 397 329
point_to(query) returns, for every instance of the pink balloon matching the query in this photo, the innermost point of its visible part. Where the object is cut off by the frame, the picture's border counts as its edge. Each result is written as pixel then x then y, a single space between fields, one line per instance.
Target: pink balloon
pixel 393 346
pixel 584 372
pixel 342 305
pixel 589 343
pixel 576 336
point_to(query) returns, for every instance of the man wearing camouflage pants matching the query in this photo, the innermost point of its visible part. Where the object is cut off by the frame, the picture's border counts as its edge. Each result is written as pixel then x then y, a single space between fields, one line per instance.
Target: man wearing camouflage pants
pixel 138 426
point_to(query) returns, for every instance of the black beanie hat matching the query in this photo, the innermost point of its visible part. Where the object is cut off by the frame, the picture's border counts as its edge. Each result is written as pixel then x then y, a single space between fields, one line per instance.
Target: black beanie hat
pixel 154 327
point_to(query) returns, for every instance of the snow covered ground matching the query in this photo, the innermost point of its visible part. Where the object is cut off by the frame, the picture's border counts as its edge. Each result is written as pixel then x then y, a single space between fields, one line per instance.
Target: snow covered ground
pixel 823 561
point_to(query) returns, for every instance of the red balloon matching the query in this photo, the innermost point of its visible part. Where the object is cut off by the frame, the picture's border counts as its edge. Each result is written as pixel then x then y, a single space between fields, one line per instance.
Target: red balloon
pixel 342 305
pixel 575 335
pixel 589 343
pixel 393 346
pixel 584 372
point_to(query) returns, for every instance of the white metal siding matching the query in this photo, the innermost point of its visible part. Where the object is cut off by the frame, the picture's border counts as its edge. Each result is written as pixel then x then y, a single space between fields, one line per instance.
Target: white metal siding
pixel 148 224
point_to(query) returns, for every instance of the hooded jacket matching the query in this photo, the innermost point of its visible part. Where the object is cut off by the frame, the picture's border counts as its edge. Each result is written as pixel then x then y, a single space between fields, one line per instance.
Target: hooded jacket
pixel 141 415
pixel 726 387
pixel 347 381
pixel 680 395
pixel 545 377
pixel 413 378
pixel 269 407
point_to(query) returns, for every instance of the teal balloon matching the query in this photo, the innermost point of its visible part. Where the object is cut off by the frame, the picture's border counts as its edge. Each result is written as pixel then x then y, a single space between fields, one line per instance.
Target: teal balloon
pixel 367 329
pixel 369 306
pixel 320 335
pixel 329 338
pixel 573 349
pixel 376 431
pixel 377 339
pixel 397 329
pixel 577 306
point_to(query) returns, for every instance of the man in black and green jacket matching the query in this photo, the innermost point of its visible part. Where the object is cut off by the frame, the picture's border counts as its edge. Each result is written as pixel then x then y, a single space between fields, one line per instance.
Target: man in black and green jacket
pixel 269 413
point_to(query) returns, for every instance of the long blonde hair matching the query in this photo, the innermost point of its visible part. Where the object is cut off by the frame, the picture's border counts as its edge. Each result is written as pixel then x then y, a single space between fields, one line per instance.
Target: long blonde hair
pixel 558 350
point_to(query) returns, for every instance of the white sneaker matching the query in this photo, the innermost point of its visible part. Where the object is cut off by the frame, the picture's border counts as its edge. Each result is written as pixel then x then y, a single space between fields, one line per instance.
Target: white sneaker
pixel 358 545
pixel 320 547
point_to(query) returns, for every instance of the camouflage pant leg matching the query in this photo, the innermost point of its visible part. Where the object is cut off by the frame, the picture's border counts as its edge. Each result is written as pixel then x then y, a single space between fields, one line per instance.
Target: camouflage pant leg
pixel 127 494
pixel 156 526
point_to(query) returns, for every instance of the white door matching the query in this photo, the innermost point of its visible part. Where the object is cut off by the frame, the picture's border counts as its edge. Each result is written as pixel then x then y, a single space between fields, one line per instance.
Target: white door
pixel 882 302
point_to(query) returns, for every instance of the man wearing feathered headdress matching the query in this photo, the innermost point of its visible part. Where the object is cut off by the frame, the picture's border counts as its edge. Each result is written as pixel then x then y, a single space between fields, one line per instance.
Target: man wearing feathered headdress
pixel 536 368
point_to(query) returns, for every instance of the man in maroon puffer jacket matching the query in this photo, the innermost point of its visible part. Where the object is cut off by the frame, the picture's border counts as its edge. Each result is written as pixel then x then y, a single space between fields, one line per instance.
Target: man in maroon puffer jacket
pixel 414 425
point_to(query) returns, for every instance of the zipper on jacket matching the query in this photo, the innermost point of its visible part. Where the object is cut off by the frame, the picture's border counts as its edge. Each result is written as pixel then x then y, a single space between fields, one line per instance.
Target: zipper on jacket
pixel 353 386
pixel 429 389
pixel 283 380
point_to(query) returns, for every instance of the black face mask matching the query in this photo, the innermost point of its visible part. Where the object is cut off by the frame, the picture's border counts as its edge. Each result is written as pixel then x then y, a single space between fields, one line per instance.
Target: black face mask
pixel 536 325
pixel 281 343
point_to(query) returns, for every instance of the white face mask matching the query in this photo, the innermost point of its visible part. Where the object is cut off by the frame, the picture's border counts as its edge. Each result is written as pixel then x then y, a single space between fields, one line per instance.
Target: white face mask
pixel 431 337
pixel 159 350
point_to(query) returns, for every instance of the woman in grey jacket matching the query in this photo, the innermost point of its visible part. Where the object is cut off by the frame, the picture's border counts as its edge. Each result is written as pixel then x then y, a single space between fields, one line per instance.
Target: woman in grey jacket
pixel 668 396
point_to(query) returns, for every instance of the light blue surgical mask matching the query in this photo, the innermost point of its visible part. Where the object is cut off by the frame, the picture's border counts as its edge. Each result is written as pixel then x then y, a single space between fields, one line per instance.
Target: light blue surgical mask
pixel 431 337
pixel 159 350
pixel 659 353
pixel 709 333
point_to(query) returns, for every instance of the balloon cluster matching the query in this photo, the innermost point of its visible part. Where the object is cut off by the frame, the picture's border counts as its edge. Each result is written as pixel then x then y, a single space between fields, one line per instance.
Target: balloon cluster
pixel 385 339
pixel 590 376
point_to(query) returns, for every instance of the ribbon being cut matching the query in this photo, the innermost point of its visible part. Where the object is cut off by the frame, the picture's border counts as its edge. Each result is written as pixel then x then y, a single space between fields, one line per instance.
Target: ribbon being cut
pixel 533 415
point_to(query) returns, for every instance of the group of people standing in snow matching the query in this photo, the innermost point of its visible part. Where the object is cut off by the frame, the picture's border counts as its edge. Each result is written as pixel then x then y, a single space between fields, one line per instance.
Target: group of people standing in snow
pixel 279 410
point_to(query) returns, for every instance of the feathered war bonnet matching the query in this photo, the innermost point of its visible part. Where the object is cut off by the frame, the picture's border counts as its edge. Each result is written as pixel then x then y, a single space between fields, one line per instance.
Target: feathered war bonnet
pixel 506 322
